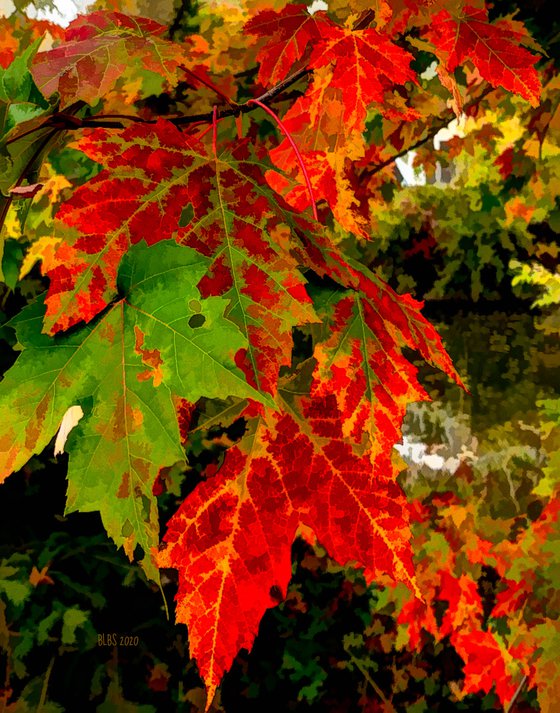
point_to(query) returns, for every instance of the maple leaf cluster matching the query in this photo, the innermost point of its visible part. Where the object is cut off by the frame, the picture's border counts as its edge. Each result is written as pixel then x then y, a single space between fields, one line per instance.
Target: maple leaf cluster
pixel 181 270
pixel 499 645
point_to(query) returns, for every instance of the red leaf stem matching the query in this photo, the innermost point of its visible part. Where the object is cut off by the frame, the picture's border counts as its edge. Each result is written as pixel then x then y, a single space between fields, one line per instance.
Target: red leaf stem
pixel 215 130
pixel 299 157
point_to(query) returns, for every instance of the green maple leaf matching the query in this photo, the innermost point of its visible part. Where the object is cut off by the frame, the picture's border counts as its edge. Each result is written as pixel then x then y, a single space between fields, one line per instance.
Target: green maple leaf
pixel 124 368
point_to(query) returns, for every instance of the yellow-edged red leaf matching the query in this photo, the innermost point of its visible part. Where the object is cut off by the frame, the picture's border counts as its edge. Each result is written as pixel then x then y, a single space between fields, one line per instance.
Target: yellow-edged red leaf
pixel 230 541
pixel 365 65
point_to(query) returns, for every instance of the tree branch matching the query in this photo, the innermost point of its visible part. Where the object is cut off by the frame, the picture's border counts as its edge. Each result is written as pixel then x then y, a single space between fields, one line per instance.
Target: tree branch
pixel 518 690
pixel 65 121
pixel 364 21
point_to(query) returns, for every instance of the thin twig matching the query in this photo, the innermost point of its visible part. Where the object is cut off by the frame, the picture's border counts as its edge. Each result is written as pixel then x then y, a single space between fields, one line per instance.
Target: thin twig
pixel 364 21
pixel 43 698
pixel 516 694
pixel 365 673
pixel 209 85
pixel 443 122
pixel 65 121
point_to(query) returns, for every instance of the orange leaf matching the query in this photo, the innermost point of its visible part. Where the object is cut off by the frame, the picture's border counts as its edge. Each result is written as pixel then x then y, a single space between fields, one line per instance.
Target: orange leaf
pixel 365 65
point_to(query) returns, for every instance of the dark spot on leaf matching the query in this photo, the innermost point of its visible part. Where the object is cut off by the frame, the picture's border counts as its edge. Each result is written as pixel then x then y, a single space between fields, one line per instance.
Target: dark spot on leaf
pixel 186 216
pixel 197 320
pixel 534 510
pixel 237 429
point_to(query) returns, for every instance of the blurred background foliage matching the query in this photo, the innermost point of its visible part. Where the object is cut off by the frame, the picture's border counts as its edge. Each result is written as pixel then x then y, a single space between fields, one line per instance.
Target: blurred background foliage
pixel 476 234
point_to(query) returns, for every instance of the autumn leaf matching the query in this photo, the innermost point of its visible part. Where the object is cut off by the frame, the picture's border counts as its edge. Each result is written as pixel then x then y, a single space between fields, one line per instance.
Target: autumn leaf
pixel 36 577
pixel 328 121
pixel 494 49
pixel 230 541
pixel 361 359
pixel 485 665
pixel 365 65
pixel 221 206
pixel 139 196
pixel 328 147
pixel 97 49
pixel 286 37
pixel 361 363
pixel 248 233
pixel 123 370
pixel 185 265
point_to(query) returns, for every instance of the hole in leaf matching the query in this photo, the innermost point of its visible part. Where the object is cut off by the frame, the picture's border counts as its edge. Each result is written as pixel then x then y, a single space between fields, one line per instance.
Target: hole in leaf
pixel 187 214
pixel 197 320
pixel 127 529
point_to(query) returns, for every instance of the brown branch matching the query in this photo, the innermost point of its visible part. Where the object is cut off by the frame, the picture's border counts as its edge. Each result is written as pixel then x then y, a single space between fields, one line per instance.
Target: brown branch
pixel 6 201
pixel 67 121
pixel 364 21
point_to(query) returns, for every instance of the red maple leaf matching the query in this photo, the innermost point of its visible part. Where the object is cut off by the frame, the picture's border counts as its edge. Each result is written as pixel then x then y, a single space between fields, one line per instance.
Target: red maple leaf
pixel 327 148
pixel 485 666
pixel 230 540
pixel 465 611
pixel 362 362
pixel 365 65
pixel 135 198
pixel 369 326
pixel 494 49
pixel 287 35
